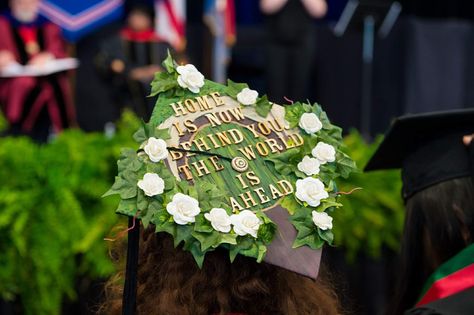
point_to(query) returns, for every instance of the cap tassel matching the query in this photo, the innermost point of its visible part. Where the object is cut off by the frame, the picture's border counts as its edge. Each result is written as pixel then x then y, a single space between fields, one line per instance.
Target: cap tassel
pixel 129 299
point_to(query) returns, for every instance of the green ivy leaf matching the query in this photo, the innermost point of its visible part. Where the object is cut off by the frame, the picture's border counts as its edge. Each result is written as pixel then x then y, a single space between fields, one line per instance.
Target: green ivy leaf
pixel 169 63
pixel 163 82
pixel 263 106
pixel 234 88
pixel 293 113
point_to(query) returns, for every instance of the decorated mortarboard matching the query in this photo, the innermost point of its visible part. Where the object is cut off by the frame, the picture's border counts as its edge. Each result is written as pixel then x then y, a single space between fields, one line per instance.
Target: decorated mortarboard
pixel 220 166
pixel 428 148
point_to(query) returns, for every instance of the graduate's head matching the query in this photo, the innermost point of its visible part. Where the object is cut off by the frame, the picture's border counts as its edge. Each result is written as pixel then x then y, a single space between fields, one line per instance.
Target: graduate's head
pixel 170 282
pixel 140 18
pixel 25 10
pixel 437 173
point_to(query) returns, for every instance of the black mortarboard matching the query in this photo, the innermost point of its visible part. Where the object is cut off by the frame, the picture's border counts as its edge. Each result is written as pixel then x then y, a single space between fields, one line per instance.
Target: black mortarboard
pixel 428 148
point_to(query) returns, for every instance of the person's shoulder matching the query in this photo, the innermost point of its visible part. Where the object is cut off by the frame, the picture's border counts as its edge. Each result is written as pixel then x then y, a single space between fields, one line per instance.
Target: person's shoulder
pixel 461 303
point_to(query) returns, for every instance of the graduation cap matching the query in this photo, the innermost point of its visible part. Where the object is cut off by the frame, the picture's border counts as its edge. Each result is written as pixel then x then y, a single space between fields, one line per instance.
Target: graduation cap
pixel 428 148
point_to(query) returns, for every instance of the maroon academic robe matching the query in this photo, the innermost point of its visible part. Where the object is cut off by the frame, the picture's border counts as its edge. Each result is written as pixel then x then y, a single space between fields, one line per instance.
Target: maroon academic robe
pixel 26 99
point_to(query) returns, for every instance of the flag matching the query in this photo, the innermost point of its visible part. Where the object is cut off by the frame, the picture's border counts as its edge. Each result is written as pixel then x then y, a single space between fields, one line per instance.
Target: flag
pixel 78 18
pixel 219 15
pixel 171 22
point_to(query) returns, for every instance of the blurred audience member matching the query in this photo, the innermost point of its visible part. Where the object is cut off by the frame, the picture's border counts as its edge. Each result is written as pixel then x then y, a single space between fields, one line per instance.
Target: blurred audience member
pixel 34 106
pixel 290 45
pixel 131 59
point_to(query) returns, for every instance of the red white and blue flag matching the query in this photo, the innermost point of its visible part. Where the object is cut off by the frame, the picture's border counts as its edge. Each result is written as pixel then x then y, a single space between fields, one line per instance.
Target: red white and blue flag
pixel 219 15
pixel 171 22
pixel 78 18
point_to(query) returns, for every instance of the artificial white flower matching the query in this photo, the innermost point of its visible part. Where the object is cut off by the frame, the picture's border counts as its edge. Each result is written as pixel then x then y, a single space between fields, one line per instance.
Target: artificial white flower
pixel 190 78
pixel 246 222
pixel 220 220
pixel 324 152
pixel 309 166
pixel 183 208
pixel 247 96
pixel 151 184
pixel 322 220
pixel 310 123
pixel 156 149
pixel 310 190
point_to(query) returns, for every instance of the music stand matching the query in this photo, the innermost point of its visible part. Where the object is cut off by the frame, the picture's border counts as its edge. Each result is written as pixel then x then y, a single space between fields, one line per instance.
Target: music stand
pixel 367 16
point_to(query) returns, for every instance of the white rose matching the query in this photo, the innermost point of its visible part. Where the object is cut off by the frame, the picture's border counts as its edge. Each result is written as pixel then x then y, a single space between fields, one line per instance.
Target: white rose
pixel 156 149
pixel 183 208
pixel 220 220
pixel 324 152
pixel 310 190
pixel 309 166
pixel 190 78
pixel 247 96
pixel 310 123
pixel 322 220
pixel 151 184
pixel 246 222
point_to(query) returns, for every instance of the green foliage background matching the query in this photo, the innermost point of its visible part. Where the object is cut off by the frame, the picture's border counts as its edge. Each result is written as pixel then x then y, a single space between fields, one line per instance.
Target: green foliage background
pixel 52 218
pixel 53 221
pixel 371 218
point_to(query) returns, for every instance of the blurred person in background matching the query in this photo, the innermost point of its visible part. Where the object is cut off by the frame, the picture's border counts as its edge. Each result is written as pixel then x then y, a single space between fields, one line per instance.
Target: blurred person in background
pixel 131 58
pixel 290 45
pixel 34 106
pixel 436 274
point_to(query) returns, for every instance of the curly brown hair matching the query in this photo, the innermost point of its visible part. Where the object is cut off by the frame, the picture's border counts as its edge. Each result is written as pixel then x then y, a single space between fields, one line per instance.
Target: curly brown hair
pixel 170 282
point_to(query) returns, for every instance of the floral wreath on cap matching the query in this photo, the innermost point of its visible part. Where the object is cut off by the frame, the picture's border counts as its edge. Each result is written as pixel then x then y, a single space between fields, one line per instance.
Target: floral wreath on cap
pixel 198 215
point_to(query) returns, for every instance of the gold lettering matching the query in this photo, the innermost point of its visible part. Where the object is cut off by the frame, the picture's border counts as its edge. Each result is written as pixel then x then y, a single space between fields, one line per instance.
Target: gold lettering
pixel 175 155
pixel 201 144
pixel 190 126
pixel 241 180
pixel 262 148
pixel 236 135
pixel 201 168
pixel 213 140
pixel 261 195
pixel 235 205
pixel 178 128
pixel 225 116
pixel 285 186
pixel 252 130
pixel 203 103
pixel 187 146
pixel 288 144
pixel 215 162
pixel 276 125
pixel 212 118
pixel 185 169
pixel 248 200
pixel 262 126
pixel 222 136
pixel 178 109
pixel 217 98
pixel 253 179
pixel 248 152
pixel 237 113
pixel 275 192
pixel 297 139
pixel 274 146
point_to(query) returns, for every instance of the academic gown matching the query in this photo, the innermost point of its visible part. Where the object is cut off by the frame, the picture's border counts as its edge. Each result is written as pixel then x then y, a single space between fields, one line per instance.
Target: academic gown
pixel 450 289
pixel 461 303
pixel 32 105
pixel 134 50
